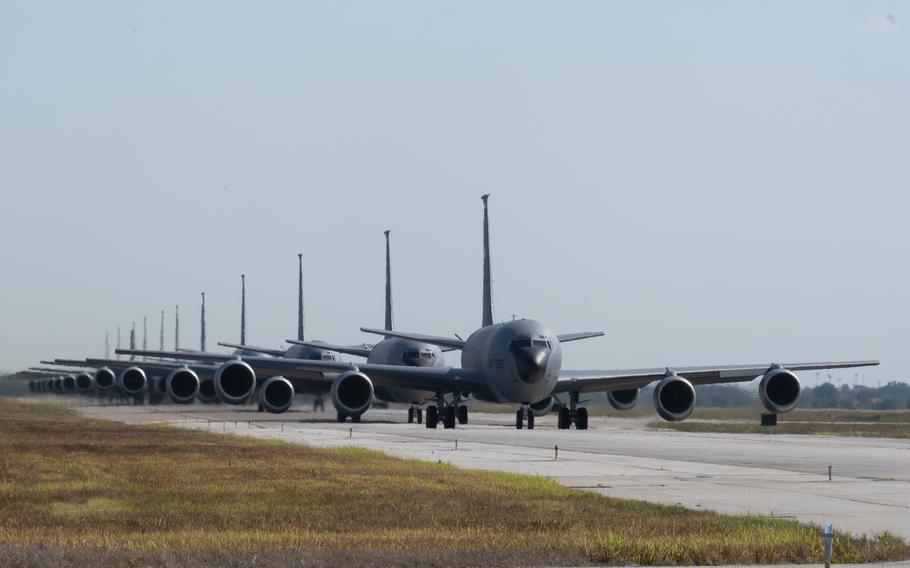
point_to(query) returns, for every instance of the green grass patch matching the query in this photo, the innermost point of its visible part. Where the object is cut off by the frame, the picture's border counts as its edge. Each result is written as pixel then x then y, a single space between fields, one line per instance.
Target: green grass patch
pixel 69 483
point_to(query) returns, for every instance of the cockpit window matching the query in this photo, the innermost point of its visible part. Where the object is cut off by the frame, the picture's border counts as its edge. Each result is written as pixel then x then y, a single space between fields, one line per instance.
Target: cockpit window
pixel 521 343
pixel 541 343
pixel 328 356
pixel 428 355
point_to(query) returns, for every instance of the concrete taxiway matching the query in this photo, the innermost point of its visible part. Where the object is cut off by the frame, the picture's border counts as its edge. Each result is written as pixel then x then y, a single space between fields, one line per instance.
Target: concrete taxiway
pixel 776 475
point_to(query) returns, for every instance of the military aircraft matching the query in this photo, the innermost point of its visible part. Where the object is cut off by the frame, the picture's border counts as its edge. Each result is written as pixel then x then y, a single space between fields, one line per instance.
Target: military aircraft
pixel 514 362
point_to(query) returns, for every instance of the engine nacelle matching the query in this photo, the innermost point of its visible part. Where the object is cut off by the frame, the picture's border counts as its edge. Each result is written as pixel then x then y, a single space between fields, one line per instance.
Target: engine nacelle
pixel 206 393
pixel 84 382
pixel 133 381
pixel 182 385
pixel 541 407
pixel 104 378
pixel 276 395
pixel 352 393
pixel 674 398
pixel 779 390
pixel 68 384
pixel 235 382
pixel 623 399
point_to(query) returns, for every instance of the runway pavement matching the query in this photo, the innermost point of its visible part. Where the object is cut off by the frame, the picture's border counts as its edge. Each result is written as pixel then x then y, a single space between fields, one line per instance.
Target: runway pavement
pixel 777 475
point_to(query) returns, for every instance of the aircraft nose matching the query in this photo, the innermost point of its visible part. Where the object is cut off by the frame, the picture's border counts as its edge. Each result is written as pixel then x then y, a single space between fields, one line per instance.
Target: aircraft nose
pixel 532 363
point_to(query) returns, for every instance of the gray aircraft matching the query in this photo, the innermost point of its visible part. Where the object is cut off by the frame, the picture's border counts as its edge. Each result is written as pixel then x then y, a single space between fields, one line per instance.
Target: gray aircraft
pixel 394 351
pixel 516 362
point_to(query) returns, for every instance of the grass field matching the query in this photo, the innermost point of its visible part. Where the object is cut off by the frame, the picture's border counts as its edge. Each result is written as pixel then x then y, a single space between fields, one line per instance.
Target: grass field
pixel 863 423
pixel 75 491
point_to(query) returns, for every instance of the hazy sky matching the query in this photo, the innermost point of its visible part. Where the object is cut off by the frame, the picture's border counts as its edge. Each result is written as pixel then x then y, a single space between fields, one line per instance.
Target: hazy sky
pixel 707 182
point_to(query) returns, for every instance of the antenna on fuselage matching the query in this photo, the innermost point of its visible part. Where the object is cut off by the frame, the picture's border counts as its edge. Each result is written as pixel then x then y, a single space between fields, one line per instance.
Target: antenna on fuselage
pixel 300 326
pixel 202 325
pixel 243 309
pixel 388 284
pixel 487 277
pixel 176 328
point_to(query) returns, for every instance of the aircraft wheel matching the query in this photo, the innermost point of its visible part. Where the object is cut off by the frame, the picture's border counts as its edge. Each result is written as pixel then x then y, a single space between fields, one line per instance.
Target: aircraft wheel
pixel 432 416
pixel 355 418
pixel 410 416
pixel 564 421
pixel 530 421
pixel 340 417
pixel 462 414
pixel 519 419
pixel 449 417
pixel 420 416
pixel 581 419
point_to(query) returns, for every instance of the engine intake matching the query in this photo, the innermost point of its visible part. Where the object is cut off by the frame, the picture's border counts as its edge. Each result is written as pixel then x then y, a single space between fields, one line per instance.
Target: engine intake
pixel 623 399
pixel 133 381
pixel 84 382
pixel 674 398
pixel 104 378
pixel 352 393
pixel 276 395
pixel 541 407
pixel 68 384
pixel 235 382
pixel 779 390
pixel 182 385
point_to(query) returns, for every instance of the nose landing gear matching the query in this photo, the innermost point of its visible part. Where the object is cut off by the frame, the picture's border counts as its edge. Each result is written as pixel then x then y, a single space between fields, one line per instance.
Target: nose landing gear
pixel 574 414
pixel 522 415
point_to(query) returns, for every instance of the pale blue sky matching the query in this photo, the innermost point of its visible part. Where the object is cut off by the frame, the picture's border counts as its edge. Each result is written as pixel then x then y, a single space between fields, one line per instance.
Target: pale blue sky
pixel 708 182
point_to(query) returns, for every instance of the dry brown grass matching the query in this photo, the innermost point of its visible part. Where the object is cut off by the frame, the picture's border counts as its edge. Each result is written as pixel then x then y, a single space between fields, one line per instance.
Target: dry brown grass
pixel 70 485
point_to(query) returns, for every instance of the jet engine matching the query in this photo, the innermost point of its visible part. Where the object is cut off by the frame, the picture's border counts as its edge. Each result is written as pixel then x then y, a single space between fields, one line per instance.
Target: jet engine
pixel 235 382
pixel 104 378
pixel 182 385
pixel 206 393
pixel 674 398
pixel 779 390
pixel 133 381
pixel 276 395
pixel 84 382
pixel 623 399
pixel 68 383
pixel 541 407
pixel 57 384
pixel 352 393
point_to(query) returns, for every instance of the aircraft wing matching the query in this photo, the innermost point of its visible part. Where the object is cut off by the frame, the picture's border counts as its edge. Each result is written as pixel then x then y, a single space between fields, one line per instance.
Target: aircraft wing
pixel 446 342
pixel 355 350
pixel 593 381
pixel 196 356
pixel 567 337
pixel 266 350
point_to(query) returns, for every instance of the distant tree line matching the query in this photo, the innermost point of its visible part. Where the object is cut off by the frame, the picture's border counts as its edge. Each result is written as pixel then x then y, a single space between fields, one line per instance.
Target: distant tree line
pixel 892 396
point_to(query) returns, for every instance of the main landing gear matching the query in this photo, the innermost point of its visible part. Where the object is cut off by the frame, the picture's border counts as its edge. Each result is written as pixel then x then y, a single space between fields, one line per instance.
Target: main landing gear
pixel 415 413
pixel 574 414
pixel 449 413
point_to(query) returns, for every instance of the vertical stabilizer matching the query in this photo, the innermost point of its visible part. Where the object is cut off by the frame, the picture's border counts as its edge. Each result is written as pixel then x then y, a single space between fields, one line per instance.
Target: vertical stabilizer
pixel 300 326
pixel 133 340
pixel 388 284
pixel 487 278
pixel 161 334
pixel 176 328
pixel 202 325
pixel 243 309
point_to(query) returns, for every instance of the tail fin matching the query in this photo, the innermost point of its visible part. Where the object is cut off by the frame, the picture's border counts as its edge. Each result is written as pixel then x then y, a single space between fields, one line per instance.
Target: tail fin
pixel 176 328
pixel 388 283
pixel 300 321
pixel 161 333
pixel 133 339
pixel 243 309
pixel 487 277
pixel 202 325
